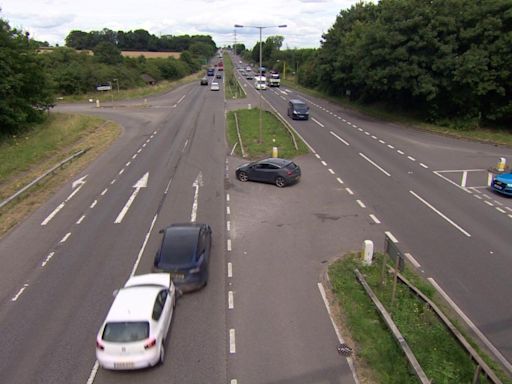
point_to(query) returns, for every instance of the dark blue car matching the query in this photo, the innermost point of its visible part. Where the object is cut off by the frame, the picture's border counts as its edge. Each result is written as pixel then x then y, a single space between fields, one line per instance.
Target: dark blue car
pixel 502 184
pixel 184 253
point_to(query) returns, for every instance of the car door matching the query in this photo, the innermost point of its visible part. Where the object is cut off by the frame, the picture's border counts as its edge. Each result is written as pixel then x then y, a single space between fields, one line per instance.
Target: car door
pixel 256 171
pixel 269 173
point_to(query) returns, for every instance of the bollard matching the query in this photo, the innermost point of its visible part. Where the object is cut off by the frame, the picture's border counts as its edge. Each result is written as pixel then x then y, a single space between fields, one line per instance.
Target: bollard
pixel 367 252
pixel 97 103
pixel 502 164
pixel 274 152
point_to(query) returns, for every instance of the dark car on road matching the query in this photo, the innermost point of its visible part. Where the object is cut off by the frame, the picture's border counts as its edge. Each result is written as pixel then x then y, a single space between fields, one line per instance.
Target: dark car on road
pixel 204 81
pixel 298 110
pixel 184 253
pixel 280 172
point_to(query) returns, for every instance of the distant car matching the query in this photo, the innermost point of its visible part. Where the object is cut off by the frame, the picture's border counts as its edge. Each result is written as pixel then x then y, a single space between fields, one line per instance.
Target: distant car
pixel 298 110
pixel 204 81
pixel 502 184
pixel 215 86
pixel 218 76
pixel 134 331
pixel 185 253
pixel 280 172
pixel 249 76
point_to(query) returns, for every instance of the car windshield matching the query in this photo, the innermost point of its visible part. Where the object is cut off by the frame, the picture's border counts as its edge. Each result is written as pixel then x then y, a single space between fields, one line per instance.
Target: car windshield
pixel 126 331
pixel 179 246
pixel 301 108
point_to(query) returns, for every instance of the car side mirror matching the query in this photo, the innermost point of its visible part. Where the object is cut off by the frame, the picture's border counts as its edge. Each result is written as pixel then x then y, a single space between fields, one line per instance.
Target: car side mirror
pixel 116 291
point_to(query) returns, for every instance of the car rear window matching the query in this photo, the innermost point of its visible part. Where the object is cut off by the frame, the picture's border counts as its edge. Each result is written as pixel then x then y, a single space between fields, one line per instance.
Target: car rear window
pixel 126 331
pixel 291 166
pixel 179 246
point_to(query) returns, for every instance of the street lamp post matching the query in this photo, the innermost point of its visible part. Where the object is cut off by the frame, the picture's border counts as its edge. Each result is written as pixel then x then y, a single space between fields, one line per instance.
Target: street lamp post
pixel 261 69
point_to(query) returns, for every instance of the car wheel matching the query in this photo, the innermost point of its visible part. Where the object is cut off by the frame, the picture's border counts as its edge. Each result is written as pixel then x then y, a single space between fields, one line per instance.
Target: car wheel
pixel 242 176
pixel 280 182
pixel 162 353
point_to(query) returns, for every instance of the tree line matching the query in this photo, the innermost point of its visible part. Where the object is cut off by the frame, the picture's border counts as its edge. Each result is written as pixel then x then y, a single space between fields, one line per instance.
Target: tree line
pixel 446 61
pixel 30 81
pixel 138 40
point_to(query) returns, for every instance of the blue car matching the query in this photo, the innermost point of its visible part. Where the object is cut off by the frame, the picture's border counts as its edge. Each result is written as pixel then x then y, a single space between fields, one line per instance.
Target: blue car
pixel 502 184
pixel 184 253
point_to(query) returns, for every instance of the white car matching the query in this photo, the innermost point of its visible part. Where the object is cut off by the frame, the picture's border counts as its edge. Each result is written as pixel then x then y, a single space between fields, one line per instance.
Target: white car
pixel 133 334
pixel 215 86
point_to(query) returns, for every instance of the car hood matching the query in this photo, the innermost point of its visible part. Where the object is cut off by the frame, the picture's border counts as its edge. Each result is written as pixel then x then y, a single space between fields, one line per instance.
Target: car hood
pixel 505 178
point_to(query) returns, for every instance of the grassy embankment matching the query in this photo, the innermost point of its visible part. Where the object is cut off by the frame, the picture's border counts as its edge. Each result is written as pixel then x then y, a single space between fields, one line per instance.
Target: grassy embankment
pixel 275 134
pixel 133 93
pixel 25 157
pixel 482 134
pixel 378 357
pixel 232 87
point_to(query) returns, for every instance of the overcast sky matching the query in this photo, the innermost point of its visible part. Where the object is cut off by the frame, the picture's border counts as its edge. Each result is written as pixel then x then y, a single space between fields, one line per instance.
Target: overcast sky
pixel 52 20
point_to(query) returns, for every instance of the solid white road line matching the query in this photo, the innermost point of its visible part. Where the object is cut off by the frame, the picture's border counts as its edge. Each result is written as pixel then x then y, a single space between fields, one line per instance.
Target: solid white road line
pixel 440 214
pixel 340 139
pixel 94 370
pixel 464 179
pixel 482 337
pixel 52 215
pixel 232 343
pixel 231 303
pixel 139 256
pixel 336 330
pixel 374 164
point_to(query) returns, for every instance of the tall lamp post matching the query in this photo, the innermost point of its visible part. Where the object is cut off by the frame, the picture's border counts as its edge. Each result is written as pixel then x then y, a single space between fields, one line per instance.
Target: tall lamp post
pixel 261 68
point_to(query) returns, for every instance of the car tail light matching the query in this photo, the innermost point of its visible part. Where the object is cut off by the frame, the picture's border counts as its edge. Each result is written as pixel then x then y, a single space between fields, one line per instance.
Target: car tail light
pixel 99 345
pixel 150 343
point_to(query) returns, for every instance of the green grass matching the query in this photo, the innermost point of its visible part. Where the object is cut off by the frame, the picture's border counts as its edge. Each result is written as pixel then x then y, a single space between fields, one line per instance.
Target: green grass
pixel 381 112
pixel 232 87
pixel 133 93
pixel 440 355
pixel 275 134
pixel 19 152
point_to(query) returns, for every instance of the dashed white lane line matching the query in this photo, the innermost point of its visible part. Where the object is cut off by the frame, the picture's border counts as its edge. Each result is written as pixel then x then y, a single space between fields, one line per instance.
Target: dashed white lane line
pixel 128 164
pixel 48 258
pixel 52 215
pixel 478 197
pixel 228 211
pixel 374 137
pixel 113 182
pixel 349 191
pixel 390 146
pixel 331 171
pixel 317 156
pixel 400 152
pixel 134 156
pixel 227 197
pixel 374 164
pixel 367 133
pixel 233 381
pixel 339 180
pixel 93 204
pixel 228 245
pixel 340 139
pixel 104 192
pixel 440 214
pixel 412 260
pixel 230 269
pixel 79 221
pixel 140 150
pixel 501 210
pixel 361 204
pixel 324 163
pixel 382 141
pixel 374 218
pixel 411 158
pixel 16 297
pixel 391 237
pixel 316 121
pixel 232 342
pixel 228 225
pixel 231 303
pixel 424 166
pixel 121 172
pixel 65 238
pixel 489 203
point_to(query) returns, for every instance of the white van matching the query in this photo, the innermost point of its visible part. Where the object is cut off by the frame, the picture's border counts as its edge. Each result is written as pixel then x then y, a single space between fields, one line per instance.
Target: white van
pixel 260 82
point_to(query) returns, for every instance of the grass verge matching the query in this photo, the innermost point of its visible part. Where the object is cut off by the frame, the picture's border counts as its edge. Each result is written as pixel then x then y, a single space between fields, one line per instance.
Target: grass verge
pixel 133 93
pixel 232 86
pixel 274 134
pixel 486 135
pixel 25 157
pixel 376 352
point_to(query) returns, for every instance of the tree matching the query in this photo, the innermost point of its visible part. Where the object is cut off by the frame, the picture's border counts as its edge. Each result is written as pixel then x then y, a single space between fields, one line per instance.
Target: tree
pixel 25 92
pixel 107 53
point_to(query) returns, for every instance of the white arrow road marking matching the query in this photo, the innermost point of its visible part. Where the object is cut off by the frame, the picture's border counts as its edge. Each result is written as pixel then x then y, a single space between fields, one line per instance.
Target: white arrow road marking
pixel 142 183
pixel 80 182
pixel 198 182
